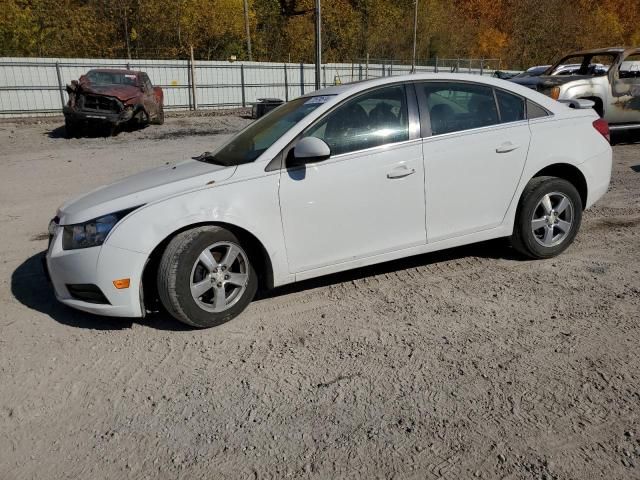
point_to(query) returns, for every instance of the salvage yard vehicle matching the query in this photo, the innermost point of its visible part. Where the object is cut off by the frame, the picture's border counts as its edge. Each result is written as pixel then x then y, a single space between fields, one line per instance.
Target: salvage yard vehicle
pixel 337 179
pixel 110 98
pixel 608 77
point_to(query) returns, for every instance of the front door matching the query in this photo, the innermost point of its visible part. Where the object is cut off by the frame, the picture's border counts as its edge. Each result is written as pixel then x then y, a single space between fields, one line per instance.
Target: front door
pixel 368 197
pixel 624 100
pixel 474 156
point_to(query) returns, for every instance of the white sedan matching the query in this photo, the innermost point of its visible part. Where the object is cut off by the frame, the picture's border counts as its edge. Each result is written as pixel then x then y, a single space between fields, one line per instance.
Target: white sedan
pixel 337 179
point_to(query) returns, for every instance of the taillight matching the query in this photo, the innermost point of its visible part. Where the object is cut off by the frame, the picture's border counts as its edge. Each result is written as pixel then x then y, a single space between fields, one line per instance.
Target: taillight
pixel 555 93
pixel 602 126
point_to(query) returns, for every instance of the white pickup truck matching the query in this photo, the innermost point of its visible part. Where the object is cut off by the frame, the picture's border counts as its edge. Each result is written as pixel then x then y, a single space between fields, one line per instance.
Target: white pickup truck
pixel 609 77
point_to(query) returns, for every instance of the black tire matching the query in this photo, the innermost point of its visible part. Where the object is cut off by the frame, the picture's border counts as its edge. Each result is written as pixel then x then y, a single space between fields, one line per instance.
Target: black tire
pixel 175 275
pixel 71 129
pixel 524 240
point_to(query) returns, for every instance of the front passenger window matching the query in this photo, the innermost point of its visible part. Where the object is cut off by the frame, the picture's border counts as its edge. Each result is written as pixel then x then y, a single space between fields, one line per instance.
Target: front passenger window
pixel 370 120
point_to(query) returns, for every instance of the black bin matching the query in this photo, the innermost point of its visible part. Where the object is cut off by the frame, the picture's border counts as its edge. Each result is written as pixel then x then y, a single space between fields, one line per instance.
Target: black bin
pixel 264 105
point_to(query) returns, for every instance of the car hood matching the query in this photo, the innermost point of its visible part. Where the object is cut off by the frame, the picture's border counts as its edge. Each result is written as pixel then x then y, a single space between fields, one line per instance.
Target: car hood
pixel 544 82
pixel 526 80
pixel 142 188
pixel 121 92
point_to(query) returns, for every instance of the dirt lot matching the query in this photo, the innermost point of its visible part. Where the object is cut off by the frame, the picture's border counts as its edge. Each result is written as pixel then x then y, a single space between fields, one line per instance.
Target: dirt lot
pixel 465 364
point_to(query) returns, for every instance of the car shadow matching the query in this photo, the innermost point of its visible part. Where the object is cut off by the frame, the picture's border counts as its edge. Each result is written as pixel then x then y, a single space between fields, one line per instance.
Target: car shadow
pixel 496 249
pixel 96 131
pixel 31 288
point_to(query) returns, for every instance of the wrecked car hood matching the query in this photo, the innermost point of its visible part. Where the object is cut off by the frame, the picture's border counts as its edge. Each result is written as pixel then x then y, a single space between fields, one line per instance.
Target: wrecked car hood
pixel 549 81
pixel 142 188
pixel 121 92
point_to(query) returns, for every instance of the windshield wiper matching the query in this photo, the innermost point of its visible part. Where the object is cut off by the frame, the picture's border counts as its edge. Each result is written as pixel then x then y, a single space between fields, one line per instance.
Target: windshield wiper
pixel 209 157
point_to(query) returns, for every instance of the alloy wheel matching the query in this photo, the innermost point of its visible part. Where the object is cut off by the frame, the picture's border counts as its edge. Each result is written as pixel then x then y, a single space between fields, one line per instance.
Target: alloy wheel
pixel 219 276
pixel 552 219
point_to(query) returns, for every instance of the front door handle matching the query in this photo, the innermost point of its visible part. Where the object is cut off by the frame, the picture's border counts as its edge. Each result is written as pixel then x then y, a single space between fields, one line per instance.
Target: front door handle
pixel 507 147
pixel 400 172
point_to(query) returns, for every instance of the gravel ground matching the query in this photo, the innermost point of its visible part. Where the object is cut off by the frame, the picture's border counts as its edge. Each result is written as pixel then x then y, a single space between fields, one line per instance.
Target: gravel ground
pixel 469 363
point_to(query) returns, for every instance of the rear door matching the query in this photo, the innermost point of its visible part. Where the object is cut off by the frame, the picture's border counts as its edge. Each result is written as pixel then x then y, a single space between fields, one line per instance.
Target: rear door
pixel 476 144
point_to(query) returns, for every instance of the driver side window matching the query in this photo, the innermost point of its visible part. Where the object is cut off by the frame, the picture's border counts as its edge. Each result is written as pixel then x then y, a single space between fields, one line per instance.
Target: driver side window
pixel 370 120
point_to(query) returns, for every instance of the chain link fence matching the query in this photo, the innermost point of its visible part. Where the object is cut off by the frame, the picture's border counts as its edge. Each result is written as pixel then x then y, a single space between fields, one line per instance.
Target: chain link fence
pixel 36 86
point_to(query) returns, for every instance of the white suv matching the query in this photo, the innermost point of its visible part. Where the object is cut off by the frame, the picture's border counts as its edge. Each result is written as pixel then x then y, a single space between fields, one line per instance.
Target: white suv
pixel 337 179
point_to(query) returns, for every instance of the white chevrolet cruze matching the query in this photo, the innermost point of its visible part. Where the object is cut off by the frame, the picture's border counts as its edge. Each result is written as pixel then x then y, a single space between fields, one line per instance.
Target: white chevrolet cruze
pixel 337 179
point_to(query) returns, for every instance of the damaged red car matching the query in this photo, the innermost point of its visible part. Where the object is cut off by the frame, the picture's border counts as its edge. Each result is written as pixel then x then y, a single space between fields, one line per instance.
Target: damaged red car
pixel 112 98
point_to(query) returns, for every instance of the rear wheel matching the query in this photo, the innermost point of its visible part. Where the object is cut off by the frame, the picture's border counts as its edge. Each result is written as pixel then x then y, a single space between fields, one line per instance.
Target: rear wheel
pixel 548 217
pixel 159 120
pixel 205 277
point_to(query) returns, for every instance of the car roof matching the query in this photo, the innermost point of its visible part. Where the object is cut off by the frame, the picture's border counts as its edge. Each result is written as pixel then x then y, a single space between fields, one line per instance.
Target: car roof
pixel 598 51
pixel 115 70
pixel 348 89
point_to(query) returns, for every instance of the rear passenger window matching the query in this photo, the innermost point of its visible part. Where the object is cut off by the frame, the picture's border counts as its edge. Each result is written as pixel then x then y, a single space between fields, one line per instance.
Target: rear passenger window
pixel 535 111
pixel 511 107
pixel 459 106
pixel 370 120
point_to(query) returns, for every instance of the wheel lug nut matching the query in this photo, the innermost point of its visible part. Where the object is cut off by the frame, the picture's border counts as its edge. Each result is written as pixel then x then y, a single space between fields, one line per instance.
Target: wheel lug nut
pixel 226 277
pixel 219 284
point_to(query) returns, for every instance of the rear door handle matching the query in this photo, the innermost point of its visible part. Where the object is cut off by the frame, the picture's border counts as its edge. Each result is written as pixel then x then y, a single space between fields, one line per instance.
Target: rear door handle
pixel 400 172
pixel 507 147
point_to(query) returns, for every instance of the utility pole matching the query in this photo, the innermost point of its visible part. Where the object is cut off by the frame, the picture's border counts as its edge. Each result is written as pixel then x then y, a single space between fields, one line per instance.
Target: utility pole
pixel 318 44
pixel 415 34
pixel 246 26
pixel 126 33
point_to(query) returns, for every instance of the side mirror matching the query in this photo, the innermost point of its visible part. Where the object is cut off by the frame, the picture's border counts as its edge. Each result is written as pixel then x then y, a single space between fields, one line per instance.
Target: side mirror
pixel 309 150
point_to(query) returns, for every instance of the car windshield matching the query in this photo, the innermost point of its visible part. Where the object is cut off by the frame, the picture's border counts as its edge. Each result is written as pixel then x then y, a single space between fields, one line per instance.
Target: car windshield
pixel 112 78
pixel 251 142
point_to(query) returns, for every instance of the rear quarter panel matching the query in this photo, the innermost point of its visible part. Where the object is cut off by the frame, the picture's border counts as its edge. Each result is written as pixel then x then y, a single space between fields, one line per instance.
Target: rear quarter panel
pixel 566 138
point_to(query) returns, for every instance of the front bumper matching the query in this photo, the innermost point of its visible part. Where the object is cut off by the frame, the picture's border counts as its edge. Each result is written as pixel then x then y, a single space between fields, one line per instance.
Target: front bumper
pixel 98 266
pixel 92 116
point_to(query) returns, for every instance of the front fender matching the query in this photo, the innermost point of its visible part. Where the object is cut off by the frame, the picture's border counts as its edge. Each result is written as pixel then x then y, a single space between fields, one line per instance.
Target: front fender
pixel 251 205
pixel 583 89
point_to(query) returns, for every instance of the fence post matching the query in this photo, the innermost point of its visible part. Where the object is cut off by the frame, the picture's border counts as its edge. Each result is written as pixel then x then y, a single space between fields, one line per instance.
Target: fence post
pixel 128 66
pixel 60 83
pixel 193 81
pixel 367 68
pixel 324 75
pixel 391 70
pixel 481 66
pixel 286 84
pixel 301 78
pixel 244 99
pixel 360 72
pixel 436 70
pixel 382 68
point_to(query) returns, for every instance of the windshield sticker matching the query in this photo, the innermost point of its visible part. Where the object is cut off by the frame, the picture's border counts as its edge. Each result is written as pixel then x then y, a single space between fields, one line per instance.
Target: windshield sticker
pixel 130 76
pixel 318 99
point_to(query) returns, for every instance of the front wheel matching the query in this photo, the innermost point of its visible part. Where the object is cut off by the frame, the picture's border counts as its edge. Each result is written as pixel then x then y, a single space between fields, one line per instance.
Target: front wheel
pixel 548 217
pixel 205 277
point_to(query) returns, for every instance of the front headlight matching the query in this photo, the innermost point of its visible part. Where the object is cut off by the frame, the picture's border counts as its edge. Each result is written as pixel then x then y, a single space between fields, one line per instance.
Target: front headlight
pixel 92 233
